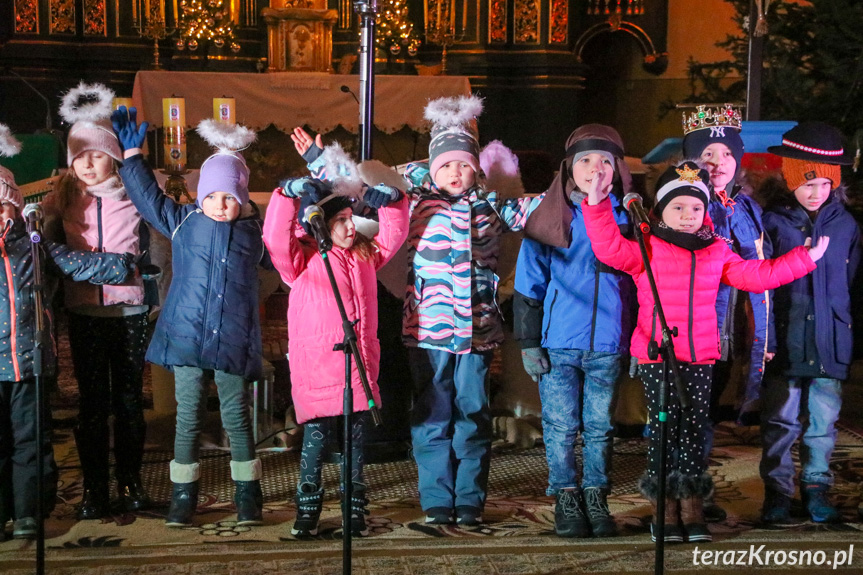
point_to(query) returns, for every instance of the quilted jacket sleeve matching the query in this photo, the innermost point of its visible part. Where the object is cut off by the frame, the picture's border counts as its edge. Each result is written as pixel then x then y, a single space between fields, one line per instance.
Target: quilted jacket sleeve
pixel 761 275
pixel 156 208
pixel 281 237
pixel 607 242
pixel 95 267
pixel 393 230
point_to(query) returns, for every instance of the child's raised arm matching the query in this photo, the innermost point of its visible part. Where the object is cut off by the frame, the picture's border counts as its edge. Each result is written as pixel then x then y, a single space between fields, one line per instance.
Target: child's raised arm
pixel 606 241
pixel 282 231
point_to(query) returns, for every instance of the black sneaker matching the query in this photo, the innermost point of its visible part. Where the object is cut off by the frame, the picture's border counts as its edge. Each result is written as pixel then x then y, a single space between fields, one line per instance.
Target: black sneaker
pixel 569 519
pixel 601 522
pixel 468 515
pixel 777 508
pixel 439 516
pixel 24 528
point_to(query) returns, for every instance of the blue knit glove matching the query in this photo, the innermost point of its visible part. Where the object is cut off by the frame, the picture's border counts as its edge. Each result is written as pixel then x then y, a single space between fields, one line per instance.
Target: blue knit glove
pixel 130 134
pixel 296 187
pixel 536 363
pixel 381 195
pixel 313 153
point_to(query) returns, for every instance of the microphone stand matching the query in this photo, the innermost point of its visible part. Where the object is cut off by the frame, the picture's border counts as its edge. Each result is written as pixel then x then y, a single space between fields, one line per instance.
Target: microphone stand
pixel 367 9
pixel 669 362
pixel 350 348
pixel 38 310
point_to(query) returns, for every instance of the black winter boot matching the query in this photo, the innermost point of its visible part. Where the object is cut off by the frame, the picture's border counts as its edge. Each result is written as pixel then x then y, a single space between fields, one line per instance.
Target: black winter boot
pixel 601 522
pixel 358 510
pixel 247 491
pixel 92 446
pixel 184 497
pixel 309 500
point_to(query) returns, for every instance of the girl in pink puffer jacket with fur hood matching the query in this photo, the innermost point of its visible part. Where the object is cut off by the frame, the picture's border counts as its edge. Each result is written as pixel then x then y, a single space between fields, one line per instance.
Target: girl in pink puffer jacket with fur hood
pixel 315 326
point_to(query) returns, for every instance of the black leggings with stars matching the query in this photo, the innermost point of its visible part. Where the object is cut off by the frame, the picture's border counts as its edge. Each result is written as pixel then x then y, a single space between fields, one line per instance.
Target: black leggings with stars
pixel 685 452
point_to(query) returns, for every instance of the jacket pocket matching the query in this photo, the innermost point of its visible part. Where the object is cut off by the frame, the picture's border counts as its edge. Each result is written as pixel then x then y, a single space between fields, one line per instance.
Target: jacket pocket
pixel 417 298
pixel 843 341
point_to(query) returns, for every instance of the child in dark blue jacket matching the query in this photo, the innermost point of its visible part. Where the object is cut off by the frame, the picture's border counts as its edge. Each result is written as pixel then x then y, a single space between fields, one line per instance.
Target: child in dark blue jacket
pixel 18 447
pixel 210 317
pixel 572 317
pixel 813 324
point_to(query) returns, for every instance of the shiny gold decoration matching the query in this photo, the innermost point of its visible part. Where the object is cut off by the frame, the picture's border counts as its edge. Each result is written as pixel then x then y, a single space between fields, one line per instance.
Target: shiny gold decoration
pixel 152 26
pixel 687 174
pixel 26 17
pixel 441 25
pixel 300 39
pixel 395 32
pixel 62 14
pixel 497 21
pixel 94 18
pixel 526 21
pixel 206 20
pixel 558 22
pixel 609 7
pixel 712 116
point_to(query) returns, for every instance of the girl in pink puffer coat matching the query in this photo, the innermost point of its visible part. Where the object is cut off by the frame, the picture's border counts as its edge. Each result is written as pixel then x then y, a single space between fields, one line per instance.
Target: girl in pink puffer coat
pixel 315 326
pixel 688 261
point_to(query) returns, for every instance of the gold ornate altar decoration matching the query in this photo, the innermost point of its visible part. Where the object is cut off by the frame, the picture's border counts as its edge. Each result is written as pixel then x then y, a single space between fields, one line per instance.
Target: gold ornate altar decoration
pixel 299 35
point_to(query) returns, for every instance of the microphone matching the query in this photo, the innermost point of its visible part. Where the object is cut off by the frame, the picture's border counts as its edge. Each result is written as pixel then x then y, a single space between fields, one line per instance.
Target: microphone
pixel 32 214
pixel 633 204
pixel 347 90
pixel 314 216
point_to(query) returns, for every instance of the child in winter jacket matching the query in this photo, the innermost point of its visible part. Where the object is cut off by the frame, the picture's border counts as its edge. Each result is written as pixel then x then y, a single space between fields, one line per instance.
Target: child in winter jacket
pixel 315 325
pixel 688 262
pixel 108 325
pixel 210 318
pixel 572 318
pixel 18 435
pixel 451 313
pixel 803 390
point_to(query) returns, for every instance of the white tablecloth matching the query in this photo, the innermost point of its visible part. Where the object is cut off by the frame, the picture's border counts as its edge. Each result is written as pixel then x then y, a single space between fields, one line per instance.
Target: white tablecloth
pixel 292 99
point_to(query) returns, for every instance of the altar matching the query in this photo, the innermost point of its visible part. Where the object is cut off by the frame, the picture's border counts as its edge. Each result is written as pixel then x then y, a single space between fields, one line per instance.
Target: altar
pixel 320 101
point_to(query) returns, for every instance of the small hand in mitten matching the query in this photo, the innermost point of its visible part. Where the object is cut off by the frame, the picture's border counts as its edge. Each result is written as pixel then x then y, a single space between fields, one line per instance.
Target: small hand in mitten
pixel 296 187
pixel 380 196
pixel 147 271
pixel 536 362
pixel 309 148
pixel 130 134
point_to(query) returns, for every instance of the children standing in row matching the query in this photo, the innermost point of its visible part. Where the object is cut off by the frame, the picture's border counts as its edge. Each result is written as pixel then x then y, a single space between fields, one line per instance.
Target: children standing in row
pixel 315 325
pixel 210 318
pixel 572 320
pixel 688 263
pixel 18 434
pixel 813 324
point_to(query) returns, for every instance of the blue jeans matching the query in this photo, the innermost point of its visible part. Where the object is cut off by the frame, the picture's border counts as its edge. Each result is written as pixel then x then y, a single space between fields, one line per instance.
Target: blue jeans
pixel 784 403
pixel 190 389
pixel 451 427
pixel 578 393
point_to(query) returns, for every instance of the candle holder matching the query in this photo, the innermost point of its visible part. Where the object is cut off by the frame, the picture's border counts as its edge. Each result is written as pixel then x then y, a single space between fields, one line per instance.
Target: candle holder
pixel 440 26
pixel 154 29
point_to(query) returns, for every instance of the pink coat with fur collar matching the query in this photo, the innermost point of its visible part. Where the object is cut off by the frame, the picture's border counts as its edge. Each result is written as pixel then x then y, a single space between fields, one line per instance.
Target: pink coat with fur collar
pixel 314 324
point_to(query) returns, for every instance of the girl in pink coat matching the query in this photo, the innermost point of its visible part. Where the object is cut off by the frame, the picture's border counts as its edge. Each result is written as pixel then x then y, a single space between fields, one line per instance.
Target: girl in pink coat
pixel 315 326
pixel 689 261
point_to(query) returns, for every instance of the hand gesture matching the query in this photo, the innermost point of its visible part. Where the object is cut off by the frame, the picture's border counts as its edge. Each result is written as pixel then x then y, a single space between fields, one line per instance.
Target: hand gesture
pixel 817 251
pixel 380 196
pixel 536 363
pixel 309 148
pixel 126 127
pixel 600 186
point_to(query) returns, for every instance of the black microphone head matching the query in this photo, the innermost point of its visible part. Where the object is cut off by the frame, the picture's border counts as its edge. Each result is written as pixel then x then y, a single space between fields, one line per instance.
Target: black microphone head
pixel 345 89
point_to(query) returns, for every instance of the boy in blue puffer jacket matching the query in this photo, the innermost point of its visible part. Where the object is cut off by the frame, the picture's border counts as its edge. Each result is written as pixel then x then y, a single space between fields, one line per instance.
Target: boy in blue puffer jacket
pixel 813 320
pixel 572 318
pixel 210 318
pixel 18 446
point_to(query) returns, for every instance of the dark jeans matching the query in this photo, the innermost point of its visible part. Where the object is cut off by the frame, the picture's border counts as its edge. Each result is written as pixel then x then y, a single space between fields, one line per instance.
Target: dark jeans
pixel 18 452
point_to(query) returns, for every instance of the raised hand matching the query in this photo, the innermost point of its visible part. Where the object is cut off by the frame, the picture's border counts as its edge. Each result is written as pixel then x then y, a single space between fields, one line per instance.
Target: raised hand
pixel 309 148
pixel 125 124
pixel 600 186
pixel 380 196
pixel 817 251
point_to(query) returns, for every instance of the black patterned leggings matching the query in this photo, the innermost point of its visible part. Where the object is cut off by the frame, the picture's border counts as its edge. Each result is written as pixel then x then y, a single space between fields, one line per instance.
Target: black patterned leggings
pixel 317 436
pixel 685 453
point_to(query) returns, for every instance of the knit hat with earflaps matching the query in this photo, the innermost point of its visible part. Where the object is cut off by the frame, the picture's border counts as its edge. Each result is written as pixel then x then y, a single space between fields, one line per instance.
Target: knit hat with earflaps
pixel 88 108
pixel 454 135
pixel 550 222
pixel 9 146
pixel 226 170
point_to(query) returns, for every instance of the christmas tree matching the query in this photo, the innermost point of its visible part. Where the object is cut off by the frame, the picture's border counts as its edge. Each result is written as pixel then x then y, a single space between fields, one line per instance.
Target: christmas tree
pixel 206 21
pixel 395 32
pixel 813 63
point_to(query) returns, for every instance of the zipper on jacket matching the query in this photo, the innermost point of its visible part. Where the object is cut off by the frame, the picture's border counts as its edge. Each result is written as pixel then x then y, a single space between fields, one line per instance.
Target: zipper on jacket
pixel 550 310
pixel 99 247
pixel 691 308
pixel 13 316
pixel 595 305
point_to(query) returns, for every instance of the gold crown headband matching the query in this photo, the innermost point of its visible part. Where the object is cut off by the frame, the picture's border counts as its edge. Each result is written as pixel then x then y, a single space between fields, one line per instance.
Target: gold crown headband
pixel 724 116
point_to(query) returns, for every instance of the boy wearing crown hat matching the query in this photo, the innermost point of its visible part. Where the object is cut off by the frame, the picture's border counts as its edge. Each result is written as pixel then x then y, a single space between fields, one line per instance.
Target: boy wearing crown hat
pixel 688 263
pixel 712 139
pixel 18 448
pixel 210 317
pixel 814 324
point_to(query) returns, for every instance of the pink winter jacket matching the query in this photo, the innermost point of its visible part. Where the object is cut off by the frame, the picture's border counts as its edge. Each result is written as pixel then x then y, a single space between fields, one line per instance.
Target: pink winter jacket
pixel 109 223
pixel 687 282
pixel 314 324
